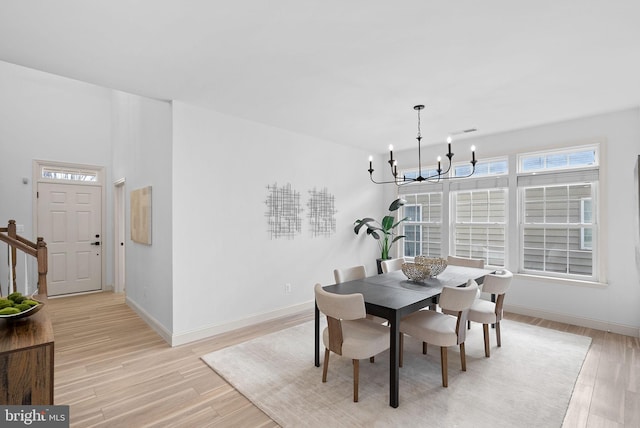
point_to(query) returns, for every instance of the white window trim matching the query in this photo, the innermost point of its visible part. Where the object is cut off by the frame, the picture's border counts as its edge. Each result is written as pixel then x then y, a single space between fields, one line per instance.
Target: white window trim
pixel 572 277
pixel 591 225
pixel 414 223
pixel 592 174
pixel 482 161
pixel 561 281
pixel 520 158
pixel 595 274
pixel 452 217
pixel 40 165
pixel 513 249
pixel 421 222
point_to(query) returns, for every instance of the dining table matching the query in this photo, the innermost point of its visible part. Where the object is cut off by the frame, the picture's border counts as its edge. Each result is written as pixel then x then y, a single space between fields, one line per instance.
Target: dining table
pixel 393 296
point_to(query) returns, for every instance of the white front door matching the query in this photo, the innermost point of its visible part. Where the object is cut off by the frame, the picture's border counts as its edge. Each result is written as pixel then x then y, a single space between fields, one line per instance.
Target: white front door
pixel 70 221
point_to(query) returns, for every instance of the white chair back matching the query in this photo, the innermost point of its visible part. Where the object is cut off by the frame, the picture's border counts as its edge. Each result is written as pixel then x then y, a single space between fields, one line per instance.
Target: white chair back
pixel 461 261
pixel 349 274
pixel 458 299
pixel 391 265
pixel 497 283
pixel 340 306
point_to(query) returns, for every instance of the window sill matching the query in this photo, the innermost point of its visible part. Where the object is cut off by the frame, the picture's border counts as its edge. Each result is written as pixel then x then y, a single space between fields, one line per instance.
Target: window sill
pixel 561 281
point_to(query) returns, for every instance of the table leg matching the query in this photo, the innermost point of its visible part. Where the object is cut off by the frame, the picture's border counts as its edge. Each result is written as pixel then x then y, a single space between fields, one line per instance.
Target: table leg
pixel 493 299
pixel 317 336
pixel 394 360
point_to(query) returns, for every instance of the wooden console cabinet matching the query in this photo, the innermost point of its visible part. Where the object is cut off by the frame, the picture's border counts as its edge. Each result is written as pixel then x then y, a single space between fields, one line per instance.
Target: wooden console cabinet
pixel 26 360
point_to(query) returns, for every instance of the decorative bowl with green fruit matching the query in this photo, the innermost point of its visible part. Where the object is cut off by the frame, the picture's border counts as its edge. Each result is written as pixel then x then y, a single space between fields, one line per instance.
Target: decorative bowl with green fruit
pixel 16 306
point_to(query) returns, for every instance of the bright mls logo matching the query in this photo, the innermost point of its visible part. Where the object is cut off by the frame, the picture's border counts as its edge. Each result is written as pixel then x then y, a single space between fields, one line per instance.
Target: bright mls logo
pixel 34 416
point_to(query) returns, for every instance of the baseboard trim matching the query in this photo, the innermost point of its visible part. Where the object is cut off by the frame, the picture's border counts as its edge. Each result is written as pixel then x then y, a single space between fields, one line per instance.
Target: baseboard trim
pixel 207 332
pixel 573 320
pixel 150 320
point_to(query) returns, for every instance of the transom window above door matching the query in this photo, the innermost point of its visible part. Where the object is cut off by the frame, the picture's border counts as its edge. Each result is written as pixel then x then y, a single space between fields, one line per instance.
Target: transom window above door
pixel 69 174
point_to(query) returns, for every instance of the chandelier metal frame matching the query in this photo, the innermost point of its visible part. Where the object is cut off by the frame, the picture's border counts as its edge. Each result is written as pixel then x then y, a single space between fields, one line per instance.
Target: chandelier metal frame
pixel 435 178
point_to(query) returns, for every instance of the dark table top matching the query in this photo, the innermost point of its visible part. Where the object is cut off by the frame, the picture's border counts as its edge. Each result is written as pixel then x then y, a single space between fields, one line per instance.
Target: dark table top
pixel 394 291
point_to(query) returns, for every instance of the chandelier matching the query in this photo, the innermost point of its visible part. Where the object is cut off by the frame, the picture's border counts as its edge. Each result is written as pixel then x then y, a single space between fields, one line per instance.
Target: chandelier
pixel 430 178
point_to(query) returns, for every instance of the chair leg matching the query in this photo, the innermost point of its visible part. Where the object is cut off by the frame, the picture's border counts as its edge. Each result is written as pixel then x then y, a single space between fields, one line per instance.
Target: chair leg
pixel 498 333
pixel 485 329
pixel 468 324
pixel 424 348
pixel 401 351
pixel 356 372
pixel 463 358
pixel 443 358
pixel 325 365
pixel 372 360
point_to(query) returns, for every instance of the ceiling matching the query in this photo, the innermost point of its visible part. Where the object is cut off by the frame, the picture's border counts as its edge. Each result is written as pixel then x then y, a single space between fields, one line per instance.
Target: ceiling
pixel 349 71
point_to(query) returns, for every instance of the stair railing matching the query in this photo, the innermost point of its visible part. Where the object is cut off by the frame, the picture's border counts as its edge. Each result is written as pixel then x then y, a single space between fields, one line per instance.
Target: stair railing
pixel 38 250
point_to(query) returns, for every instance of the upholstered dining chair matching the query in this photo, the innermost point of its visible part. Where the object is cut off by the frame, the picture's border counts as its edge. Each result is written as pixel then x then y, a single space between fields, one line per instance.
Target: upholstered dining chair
pixel 486 312
pixel 441 329
pixel 391 265
pixel 461 261
pixel 348 332
pixel 349 274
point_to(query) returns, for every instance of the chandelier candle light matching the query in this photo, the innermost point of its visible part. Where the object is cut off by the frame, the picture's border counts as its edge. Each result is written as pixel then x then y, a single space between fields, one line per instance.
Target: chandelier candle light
pixel 434 178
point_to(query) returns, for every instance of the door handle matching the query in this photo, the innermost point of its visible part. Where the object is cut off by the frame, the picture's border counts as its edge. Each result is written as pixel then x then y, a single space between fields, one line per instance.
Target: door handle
pixel 95 243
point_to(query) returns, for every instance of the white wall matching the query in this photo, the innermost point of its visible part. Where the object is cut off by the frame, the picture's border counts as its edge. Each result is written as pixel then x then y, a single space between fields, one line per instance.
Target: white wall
pixel 615 306
pixel 213 250
pixel 227 271
pixel 47 117
pixel 212 265
pixel 142 156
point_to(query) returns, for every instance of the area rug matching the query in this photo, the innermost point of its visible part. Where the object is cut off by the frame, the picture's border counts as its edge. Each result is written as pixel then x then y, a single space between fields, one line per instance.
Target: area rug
pixel 526 383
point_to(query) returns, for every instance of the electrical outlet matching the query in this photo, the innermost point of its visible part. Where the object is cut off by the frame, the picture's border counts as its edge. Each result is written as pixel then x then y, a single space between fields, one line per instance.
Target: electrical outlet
pixel 287 288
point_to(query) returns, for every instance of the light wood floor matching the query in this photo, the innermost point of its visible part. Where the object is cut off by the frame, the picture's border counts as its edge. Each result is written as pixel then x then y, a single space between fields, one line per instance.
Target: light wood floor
pixel 115 371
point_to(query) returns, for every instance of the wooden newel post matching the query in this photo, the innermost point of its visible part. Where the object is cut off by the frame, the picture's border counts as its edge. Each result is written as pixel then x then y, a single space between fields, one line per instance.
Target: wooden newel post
pixel 41 248
pixel 11 232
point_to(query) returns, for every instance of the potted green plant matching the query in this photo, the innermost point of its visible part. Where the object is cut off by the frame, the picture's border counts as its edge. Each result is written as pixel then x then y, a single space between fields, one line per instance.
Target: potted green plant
pixel 384 231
